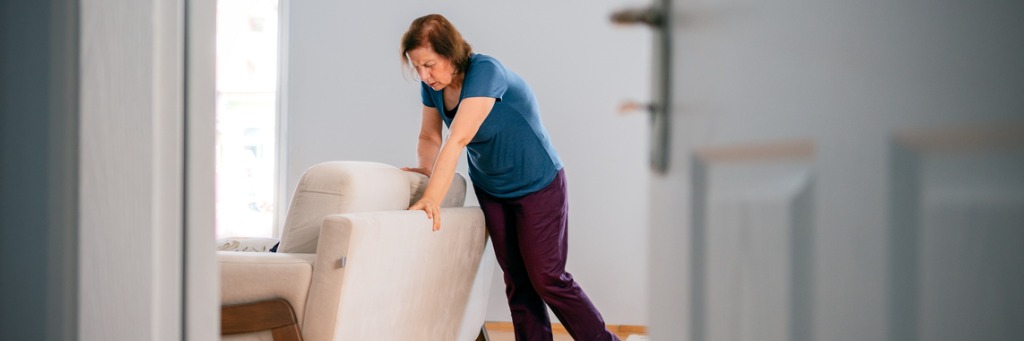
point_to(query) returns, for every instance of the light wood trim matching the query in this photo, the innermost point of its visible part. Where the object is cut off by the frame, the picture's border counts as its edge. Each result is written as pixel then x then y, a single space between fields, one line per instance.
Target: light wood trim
pixel 964 138
pixel 769 151
pixel 557 328
pixel 626 329
pixel 499 326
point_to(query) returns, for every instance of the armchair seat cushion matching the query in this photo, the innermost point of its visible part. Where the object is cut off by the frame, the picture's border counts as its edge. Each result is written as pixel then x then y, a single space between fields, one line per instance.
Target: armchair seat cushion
pixel 280 275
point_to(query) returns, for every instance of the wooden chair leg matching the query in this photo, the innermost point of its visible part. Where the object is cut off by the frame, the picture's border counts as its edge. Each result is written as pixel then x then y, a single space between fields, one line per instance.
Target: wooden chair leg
pixel 289 332
pixel 275 315
pixel 483 334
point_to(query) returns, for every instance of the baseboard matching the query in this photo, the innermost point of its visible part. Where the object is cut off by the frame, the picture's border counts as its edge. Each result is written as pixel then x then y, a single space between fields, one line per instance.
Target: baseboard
pixel 557 328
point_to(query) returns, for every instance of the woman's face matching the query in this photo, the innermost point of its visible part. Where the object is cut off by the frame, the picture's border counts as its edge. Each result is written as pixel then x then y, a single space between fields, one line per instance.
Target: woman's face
pixel 433 69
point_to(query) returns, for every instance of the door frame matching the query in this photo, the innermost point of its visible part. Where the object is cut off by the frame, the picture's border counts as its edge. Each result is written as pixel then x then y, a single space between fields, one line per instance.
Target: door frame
pixel 147 265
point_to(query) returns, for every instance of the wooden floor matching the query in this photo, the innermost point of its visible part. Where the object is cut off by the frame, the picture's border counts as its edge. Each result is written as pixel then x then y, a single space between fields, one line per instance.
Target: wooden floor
pixel 502 331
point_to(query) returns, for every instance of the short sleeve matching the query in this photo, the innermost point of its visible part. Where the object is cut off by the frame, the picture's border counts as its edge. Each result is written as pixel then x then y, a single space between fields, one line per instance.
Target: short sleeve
pixel 486 78
pixel 426 96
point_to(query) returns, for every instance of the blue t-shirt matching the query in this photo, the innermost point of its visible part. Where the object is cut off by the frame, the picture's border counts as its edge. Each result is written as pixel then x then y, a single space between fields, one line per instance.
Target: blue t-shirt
pixel 511 154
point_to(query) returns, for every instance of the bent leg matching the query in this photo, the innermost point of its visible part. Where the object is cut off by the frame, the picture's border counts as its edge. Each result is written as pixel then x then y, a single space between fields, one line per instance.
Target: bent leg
pixel 529 314
pixel 542 219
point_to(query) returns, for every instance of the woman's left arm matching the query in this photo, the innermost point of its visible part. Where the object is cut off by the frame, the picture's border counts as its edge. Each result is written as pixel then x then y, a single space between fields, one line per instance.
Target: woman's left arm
pixel 471 114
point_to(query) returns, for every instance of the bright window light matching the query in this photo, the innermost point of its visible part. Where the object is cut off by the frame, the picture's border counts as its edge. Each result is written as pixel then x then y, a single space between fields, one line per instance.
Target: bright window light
pixel 247 50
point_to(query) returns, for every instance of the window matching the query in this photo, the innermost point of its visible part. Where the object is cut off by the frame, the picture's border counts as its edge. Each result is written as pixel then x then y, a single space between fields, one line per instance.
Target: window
pixel 247 73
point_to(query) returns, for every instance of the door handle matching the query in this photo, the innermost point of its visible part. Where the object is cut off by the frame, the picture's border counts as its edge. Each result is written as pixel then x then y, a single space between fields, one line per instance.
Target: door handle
pixel 650 16
pixel 658 18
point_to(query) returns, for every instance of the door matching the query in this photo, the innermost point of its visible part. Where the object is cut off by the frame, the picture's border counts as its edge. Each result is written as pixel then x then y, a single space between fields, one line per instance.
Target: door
pixel 840 170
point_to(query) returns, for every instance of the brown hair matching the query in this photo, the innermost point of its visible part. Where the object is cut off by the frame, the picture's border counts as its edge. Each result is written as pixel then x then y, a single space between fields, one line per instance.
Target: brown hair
pixel 437 32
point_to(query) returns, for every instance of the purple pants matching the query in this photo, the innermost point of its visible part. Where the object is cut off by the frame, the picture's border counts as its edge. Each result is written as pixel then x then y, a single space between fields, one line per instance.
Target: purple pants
pixel 530 237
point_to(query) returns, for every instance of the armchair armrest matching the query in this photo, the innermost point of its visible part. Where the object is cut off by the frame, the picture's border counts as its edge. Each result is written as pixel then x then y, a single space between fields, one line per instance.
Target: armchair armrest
pixel 387 276
pixel 256 276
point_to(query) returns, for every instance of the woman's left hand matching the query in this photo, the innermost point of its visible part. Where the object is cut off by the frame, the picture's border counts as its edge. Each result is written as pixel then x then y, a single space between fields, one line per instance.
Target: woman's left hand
pixel 420 170
pixel 432 208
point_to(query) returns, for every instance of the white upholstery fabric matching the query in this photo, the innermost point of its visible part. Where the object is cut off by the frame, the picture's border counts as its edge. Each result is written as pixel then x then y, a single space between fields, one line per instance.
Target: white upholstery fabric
pixel 340 187
pixel 401 281
pixel 257 276
pixel 456 196
pixel 476 307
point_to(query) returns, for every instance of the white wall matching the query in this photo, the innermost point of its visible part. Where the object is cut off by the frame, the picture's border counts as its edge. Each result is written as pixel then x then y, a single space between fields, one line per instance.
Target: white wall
pixel 348 99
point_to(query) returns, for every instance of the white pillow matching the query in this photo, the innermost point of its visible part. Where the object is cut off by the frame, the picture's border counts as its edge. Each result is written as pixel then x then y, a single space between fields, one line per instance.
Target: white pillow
pixel 247 244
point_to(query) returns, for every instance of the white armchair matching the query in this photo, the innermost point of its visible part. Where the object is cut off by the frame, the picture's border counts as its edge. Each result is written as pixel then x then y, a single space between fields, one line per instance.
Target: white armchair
pixel 355 265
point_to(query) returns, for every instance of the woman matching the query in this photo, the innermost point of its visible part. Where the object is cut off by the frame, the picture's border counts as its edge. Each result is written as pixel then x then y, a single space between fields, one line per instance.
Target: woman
pixel 517 175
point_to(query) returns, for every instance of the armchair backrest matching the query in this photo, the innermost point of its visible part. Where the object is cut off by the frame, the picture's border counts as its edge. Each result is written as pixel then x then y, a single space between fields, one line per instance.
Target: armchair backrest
pixel 352 186
pixel 456 196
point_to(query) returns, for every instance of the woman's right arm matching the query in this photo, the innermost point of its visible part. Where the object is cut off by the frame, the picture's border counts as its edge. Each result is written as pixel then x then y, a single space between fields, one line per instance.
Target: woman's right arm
pixel 429 142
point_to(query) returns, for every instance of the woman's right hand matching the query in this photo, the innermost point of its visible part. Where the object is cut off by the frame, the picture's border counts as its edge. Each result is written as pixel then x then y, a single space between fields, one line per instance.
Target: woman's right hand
pixel 432 209
pixel 420 170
